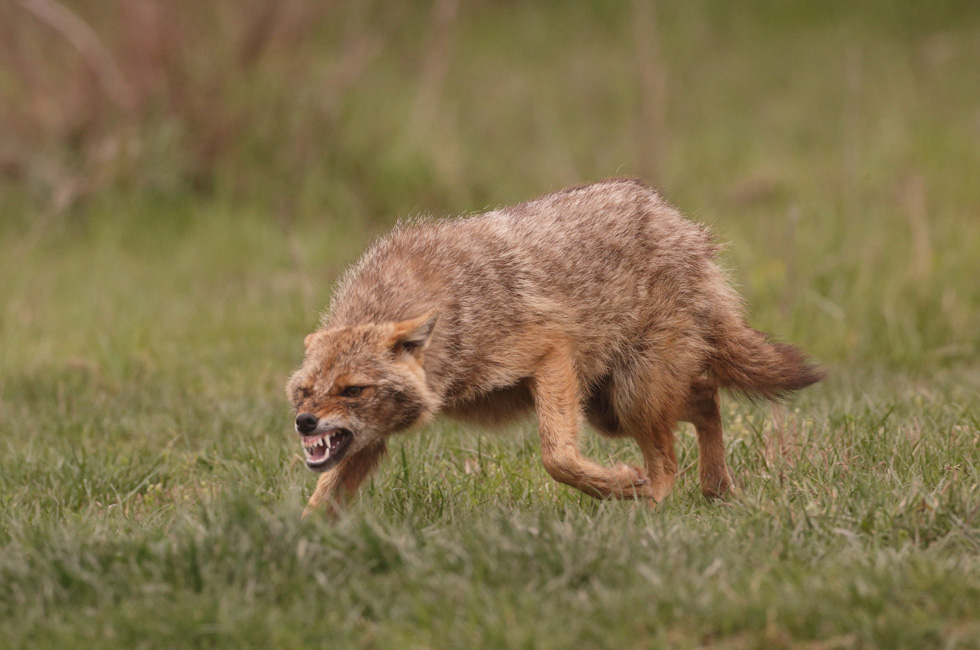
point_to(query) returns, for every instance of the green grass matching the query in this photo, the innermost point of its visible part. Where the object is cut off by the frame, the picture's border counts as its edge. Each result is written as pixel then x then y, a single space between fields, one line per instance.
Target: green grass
pixel 150 484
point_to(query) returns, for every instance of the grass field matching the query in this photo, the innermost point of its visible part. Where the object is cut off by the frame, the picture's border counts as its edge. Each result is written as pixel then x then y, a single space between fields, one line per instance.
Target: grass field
pixel 153 305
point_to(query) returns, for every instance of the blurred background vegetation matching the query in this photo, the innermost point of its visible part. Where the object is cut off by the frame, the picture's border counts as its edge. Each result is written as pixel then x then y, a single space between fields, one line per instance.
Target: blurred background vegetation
pixel 836 145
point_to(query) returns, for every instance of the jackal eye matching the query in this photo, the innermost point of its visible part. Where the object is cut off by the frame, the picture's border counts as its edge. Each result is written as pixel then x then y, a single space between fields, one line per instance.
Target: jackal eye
pixel 352 391
pixel 304 393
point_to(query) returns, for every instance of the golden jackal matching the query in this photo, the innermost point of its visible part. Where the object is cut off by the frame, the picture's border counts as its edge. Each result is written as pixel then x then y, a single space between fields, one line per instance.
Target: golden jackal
pixel 600 300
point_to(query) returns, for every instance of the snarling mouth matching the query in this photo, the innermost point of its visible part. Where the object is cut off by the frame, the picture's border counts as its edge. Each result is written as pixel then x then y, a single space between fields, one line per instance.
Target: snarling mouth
pixel 324 450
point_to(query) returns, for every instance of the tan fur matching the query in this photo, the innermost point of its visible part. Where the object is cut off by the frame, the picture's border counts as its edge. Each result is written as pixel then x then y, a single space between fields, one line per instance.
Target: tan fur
pixel 599 302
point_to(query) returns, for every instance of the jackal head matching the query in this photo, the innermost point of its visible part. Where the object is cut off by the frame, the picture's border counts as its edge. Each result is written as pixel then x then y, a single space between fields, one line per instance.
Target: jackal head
pixel 358 385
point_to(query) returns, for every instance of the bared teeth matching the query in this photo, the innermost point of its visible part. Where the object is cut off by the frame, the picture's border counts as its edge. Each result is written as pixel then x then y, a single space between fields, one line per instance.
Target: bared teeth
pixel 323 445
pixel 311 449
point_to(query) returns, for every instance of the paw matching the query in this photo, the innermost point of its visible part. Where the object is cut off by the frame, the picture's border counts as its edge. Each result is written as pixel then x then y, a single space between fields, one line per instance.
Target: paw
pixel 718 486
pixel 628 476
pixel 634 483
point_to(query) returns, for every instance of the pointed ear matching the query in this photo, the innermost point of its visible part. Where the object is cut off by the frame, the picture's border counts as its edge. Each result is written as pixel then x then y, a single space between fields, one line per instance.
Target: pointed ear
pixel 413 336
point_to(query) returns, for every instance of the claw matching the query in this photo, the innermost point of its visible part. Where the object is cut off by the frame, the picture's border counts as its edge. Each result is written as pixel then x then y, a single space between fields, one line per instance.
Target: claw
pixel 641 478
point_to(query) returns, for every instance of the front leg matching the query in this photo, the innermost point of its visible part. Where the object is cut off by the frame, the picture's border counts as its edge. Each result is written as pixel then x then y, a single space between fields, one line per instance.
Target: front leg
pixel 335 487
pixel 554 386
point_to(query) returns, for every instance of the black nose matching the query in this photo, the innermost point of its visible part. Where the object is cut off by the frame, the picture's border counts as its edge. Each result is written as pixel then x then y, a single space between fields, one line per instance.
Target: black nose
pixel 306 422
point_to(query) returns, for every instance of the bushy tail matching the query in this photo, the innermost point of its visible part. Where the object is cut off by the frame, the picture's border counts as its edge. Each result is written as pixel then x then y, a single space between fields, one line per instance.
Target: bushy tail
pixel 748 362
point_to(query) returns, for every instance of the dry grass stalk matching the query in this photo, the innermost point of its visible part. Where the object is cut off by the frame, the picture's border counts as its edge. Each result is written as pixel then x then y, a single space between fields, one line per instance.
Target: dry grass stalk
pixel 89 46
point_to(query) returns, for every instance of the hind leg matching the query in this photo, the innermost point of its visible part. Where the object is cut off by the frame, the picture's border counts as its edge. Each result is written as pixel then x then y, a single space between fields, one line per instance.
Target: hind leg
pixel 643 401
pixel 657 446
pixel 702 411
pixel 606 410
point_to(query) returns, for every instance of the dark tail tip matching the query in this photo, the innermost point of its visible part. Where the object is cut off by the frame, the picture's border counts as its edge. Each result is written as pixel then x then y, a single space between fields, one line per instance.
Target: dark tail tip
pixel 755 366
pixel 794 370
